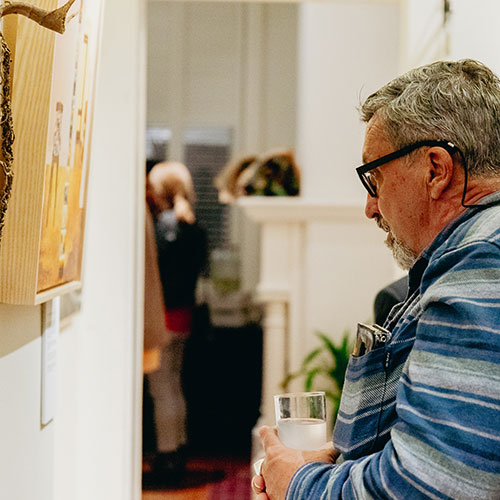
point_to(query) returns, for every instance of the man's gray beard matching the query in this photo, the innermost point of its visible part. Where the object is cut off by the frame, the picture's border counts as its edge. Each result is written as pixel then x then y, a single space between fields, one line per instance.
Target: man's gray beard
pixel 404 256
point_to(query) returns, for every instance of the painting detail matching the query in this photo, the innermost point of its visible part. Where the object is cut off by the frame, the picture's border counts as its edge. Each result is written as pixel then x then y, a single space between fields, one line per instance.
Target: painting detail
pixel 55 21
pixel 68 145
pixel 7 131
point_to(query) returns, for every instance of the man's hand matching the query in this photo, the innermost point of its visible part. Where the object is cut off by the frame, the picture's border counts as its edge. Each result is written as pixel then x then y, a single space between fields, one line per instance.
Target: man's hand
pixel 281 463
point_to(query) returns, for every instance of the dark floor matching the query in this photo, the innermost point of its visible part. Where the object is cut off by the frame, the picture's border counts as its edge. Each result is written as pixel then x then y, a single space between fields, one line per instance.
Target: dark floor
pixel 208 478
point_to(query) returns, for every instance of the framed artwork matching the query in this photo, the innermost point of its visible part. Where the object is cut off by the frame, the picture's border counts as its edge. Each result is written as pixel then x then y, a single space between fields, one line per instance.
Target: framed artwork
pixel 53 86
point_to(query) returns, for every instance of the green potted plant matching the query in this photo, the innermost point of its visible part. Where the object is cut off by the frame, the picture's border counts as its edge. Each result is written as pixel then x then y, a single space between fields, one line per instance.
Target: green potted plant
pixel 324 369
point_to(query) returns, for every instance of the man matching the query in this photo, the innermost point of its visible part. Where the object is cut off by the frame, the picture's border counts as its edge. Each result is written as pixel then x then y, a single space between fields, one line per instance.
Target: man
pixel 420 415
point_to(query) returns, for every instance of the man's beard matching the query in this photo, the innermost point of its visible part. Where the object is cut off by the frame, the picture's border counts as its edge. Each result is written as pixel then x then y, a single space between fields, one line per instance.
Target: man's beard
pixel 404 256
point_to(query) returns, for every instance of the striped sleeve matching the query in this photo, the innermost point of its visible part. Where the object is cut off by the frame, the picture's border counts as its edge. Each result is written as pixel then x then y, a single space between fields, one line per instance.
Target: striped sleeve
pixel 446 440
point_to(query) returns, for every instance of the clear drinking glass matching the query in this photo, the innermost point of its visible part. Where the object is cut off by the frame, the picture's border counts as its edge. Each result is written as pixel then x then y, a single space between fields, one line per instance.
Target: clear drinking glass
pixel 301 419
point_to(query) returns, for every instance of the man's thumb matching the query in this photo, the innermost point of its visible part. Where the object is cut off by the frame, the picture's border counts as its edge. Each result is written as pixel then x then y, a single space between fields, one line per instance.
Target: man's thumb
pixel 268 436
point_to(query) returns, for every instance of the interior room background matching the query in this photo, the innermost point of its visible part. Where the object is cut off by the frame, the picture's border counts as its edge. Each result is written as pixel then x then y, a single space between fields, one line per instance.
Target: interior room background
pixel 92 447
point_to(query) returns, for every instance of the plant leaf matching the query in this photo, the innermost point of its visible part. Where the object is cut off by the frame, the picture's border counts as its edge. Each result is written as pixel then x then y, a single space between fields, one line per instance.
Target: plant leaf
pixel 292 376
pixel 311 376
pixel 311 356
pixel 328 343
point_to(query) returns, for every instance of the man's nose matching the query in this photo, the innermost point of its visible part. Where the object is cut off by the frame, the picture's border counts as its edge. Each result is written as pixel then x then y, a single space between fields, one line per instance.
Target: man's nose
pixel 371 206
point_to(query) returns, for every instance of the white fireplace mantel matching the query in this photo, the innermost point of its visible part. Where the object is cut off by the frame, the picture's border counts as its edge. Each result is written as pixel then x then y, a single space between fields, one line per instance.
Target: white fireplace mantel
pixel 297 209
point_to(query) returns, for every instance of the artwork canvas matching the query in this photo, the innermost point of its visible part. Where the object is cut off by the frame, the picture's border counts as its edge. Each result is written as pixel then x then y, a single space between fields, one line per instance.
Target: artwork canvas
pixel 53 87
pixel 68 147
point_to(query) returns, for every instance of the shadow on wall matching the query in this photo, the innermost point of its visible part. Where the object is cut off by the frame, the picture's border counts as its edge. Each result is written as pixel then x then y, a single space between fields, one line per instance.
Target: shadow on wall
pixel 20 326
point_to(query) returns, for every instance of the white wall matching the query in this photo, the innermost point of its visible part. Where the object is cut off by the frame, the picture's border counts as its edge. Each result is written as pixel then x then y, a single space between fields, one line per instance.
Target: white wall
pixel 278 62
pixel 346 51
pixel 223 64
pixel 474 31
pixel 193 70
pixel 423 37
pixel 91 449
pixel 27 452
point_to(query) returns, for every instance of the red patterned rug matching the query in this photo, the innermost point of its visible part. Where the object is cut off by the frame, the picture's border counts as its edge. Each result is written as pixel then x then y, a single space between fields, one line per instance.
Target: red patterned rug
pixel 223 478
pixel 234 486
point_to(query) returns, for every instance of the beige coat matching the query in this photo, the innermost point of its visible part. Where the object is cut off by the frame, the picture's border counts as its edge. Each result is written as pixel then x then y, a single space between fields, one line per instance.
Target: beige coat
pixel 155 331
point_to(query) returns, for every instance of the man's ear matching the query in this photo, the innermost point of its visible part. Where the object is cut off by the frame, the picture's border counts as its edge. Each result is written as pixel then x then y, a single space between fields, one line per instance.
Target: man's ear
pixel 439 171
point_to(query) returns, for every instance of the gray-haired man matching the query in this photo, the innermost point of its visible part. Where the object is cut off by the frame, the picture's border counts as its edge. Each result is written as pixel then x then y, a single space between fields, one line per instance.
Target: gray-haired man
pixel 420 416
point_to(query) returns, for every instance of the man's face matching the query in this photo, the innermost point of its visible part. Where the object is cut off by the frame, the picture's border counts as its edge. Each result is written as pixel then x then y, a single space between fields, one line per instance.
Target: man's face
pixel 399 208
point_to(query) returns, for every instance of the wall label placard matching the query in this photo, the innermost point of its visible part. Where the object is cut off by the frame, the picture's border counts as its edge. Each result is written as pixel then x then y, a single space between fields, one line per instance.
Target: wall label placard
pixel 50 343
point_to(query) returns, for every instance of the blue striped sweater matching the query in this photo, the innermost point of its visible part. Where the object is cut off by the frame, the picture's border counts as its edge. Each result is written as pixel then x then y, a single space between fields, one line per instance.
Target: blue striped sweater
pixel 420 417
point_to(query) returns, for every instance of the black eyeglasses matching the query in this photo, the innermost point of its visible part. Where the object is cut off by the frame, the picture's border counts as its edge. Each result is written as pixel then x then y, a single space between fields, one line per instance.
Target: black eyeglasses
pixel 364 170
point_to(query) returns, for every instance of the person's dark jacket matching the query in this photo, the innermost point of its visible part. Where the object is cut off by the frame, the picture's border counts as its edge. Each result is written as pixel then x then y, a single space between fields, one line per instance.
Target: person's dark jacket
pixel 182 255
pixel 388 297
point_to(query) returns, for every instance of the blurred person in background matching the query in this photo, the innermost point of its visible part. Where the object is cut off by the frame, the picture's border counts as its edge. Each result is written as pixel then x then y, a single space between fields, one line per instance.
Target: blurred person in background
pixel 182 255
